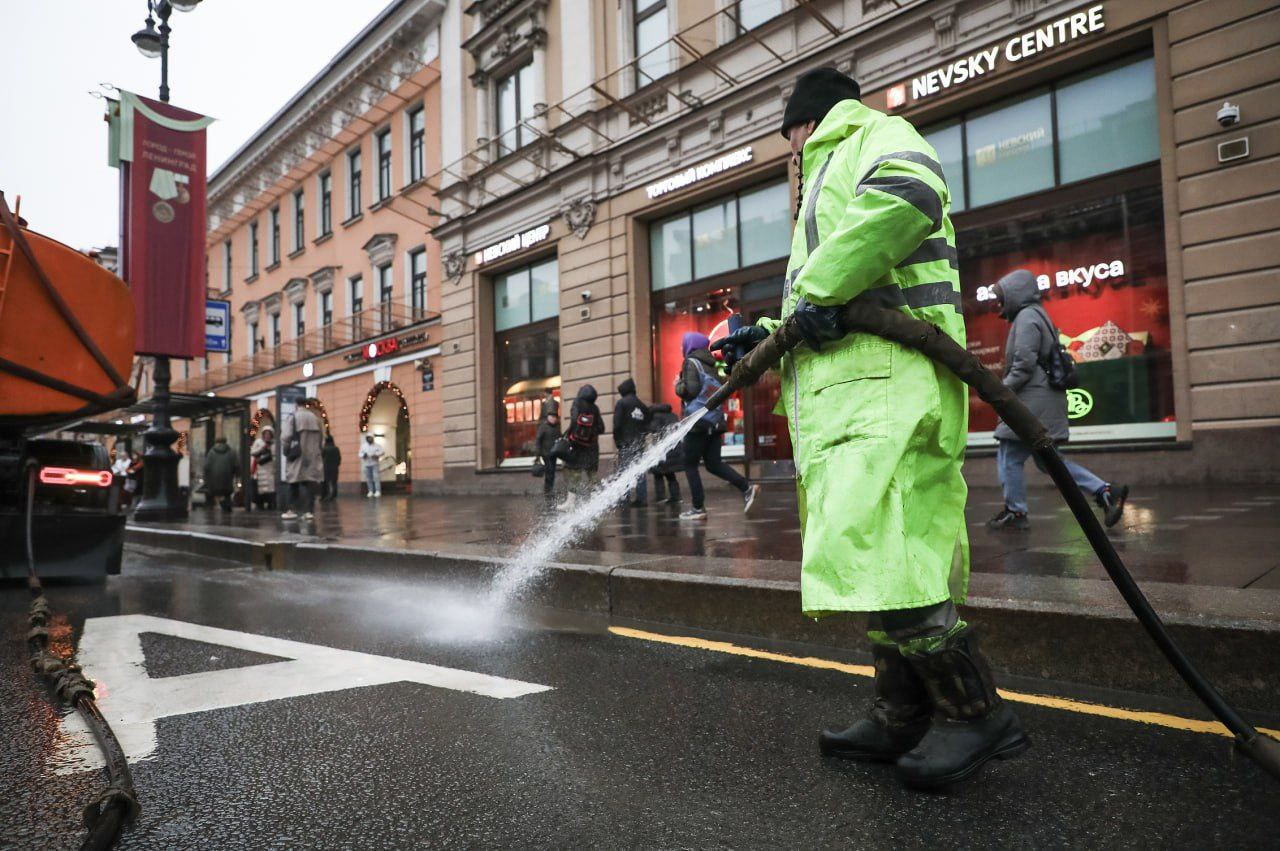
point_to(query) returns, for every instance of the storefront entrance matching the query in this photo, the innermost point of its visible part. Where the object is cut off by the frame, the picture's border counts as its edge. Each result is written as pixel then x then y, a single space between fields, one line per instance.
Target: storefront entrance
pixel 386 417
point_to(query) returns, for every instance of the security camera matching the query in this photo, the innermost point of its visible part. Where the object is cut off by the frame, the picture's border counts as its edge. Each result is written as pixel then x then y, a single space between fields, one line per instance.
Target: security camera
pixel 1229 114
pixel 586 295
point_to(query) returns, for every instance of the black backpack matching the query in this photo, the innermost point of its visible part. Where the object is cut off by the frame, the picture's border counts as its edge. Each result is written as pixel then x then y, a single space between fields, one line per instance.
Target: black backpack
pixel 1058 365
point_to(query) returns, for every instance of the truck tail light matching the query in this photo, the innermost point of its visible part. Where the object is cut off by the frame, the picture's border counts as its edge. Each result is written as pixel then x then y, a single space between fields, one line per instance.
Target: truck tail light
pixel 75 478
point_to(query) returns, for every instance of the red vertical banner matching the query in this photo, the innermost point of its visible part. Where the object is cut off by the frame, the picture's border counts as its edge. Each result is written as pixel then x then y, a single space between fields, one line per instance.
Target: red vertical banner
pixel 161 149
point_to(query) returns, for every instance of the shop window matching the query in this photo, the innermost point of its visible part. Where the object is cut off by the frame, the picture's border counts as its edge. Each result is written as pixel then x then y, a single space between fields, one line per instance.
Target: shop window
pixel 1107 121
pixel 355 178
pixel 948 142
pixel 715 238
pixel 529 294
pixel 1100 267
pixel 514 103
pixel 670 253
pixel 752 13
pixel 525 314
pixel 750 420
pixel 1010 149
pixel 1082 127
pixel 764 219
pixel 651 31
pixel 706 242
pixel 528 366
pixel 275 235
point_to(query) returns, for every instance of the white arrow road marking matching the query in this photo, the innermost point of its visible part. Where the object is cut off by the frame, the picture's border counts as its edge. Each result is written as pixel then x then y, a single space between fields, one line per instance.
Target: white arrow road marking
pixel 111 655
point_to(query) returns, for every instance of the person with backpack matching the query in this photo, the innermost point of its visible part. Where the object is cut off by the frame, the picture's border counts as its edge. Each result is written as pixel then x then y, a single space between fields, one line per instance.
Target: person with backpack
pixel 630 426
pixel 1040 371
pixel 581 445
pixel 699 378
pixel 666 488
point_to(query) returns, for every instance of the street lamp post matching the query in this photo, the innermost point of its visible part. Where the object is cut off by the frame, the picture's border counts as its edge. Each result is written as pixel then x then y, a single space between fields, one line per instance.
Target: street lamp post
pixel 160 498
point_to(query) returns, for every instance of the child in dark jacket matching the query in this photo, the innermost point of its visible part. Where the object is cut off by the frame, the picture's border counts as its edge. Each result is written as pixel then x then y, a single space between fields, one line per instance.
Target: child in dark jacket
pixel 666 488
pixel 548 434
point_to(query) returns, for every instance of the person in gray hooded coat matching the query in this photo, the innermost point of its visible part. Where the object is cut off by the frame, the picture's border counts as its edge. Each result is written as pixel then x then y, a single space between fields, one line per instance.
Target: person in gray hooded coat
pixel 1032 336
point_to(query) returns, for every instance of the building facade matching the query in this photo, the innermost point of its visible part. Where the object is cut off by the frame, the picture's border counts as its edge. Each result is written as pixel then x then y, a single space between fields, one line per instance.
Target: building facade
pixel 616 178
pixel 319 238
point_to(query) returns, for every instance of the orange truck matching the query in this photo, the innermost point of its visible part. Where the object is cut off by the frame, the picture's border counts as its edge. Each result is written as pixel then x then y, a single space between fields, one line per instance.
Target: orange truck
pixel 66 346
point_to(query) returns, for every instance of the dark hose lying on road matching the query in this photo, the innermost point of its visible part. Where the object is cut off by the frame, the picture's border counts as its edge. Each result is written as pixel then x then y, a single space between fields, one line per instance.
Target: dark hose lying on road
pixel 117 804
pixel 929 340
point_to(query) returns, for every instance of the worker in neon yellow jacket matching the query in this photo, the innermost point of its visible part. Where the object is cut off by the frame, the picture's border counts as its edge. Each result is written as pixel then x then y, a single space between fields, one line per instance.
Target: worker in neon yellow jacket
pixel 879 433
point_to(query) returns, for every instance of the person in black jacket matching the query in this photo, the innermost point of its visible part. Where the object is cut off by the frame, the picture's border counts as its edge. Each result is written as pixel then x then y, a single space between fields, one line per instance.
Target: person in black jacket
pixel 548 434
pixel 583 435
pixel 331 456
pixel 630 425
pixel 664 472
pixel 699 378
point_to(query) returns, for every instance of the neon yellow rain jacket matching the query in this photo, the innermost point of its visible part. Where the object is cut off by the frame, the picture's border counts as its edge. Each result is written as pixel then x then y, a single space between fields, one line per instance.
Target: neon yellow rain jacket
pixel 879 430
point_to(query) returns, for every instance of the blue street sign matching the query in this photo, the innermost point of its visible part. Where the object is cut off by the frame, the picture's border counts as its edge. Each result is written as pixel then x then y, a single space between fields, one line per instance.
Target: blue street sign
pixel 217 326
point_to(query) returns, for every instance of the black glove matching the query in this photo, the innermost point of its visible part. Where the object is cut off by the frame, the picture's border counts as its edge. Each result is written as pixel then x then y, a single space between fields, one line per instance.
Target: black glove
pixel 739 342
pixel 818 325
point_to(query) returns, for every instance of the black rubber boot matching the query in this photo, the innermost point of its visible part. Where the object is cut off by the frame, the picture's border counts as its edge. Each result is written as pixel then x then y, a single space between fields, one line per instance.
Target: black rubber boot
pixel 898 718
pixel 971 724
pixel 1111 500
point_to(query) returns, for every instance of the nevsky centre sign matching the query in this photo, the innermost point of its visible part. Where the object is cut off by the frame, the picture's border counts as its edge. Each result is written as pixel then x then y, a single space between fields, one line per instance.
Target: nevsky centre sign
pixel 1023 46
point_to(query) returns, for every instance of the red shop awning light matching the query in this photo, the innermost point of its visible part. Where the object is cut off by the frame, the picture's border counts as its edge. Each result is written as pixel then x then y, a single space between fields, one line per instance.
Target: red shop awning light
pixel 73 477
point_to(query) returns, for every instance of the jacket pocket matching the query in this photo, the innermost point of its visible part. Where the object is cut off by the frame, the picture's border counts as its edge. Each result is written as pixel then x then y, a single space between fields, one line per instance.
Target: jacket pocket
pixel 850 387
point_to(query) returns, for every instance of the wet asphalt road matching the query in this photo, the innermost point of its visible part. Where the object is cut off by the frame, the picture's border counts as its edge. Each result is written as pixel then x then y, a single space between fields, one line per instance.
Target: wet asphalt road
pixel 636 744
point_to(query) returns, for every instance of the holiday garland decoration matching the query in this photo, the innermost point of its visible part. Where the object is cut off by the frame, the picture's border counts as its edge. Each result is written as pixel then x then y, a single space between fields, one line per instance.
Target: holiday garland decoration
pixel 367 408
pixel 255 422
pixel 318 407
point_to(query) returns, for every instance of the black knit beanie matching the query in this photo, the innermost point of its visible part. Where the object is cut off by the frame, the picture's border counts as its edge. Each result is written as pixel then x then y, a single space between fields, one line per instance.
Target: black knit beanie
pixel 815 93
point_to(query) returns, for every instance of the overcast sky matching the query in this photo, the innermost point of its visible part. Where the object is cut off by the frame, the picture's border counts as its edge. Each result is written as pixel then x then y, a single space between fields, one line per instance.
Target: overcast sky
pixel 235 60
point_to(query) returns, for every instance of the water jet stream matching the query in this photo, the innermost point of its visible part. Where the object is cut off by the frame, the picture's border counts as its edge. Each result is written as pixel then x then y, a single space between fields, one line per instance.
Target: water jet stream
pixel 562 530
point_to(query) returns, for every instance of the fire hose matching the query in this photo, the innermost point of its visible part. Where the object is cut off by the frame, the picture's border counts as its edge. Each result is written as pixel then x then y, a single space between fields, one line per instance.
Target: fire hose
pixel 931 341
pixel 116 805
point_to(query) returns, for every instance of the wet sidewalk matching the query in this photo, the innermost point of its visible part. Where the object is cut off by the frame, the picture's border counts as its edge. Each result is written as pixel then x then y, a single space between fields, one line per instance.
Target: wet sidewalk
pixel 1197 551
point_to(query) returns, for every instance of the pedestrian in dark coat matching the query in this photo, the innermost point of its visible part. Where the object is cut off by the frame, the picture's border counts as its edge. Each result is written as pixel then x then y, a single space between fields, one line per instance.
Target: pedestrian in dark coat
pixel 666 487
pixel 583 435
pixel 1032 338
pixel 545 439
pixel 331 457
pixel 699 378
pixel 221 468
pixel 630 427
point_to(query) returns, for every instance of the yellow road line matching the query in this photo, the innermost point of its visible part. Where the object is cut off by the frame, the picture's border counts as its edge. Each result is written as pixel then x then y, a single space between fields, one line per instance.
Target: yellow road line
pixel 1158 719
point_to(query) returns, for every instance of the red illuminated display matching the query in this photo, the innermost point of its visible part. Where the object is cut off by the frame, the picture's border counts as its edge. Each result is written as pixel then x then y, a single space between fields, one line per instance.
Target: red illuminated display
pixel 381 348
pixel 1105 290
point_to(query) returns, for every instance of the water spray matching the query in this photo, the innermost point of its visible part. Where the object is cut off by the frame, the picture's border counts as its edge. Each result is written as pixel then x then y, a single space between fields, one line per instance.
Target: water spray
pixel 931 341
